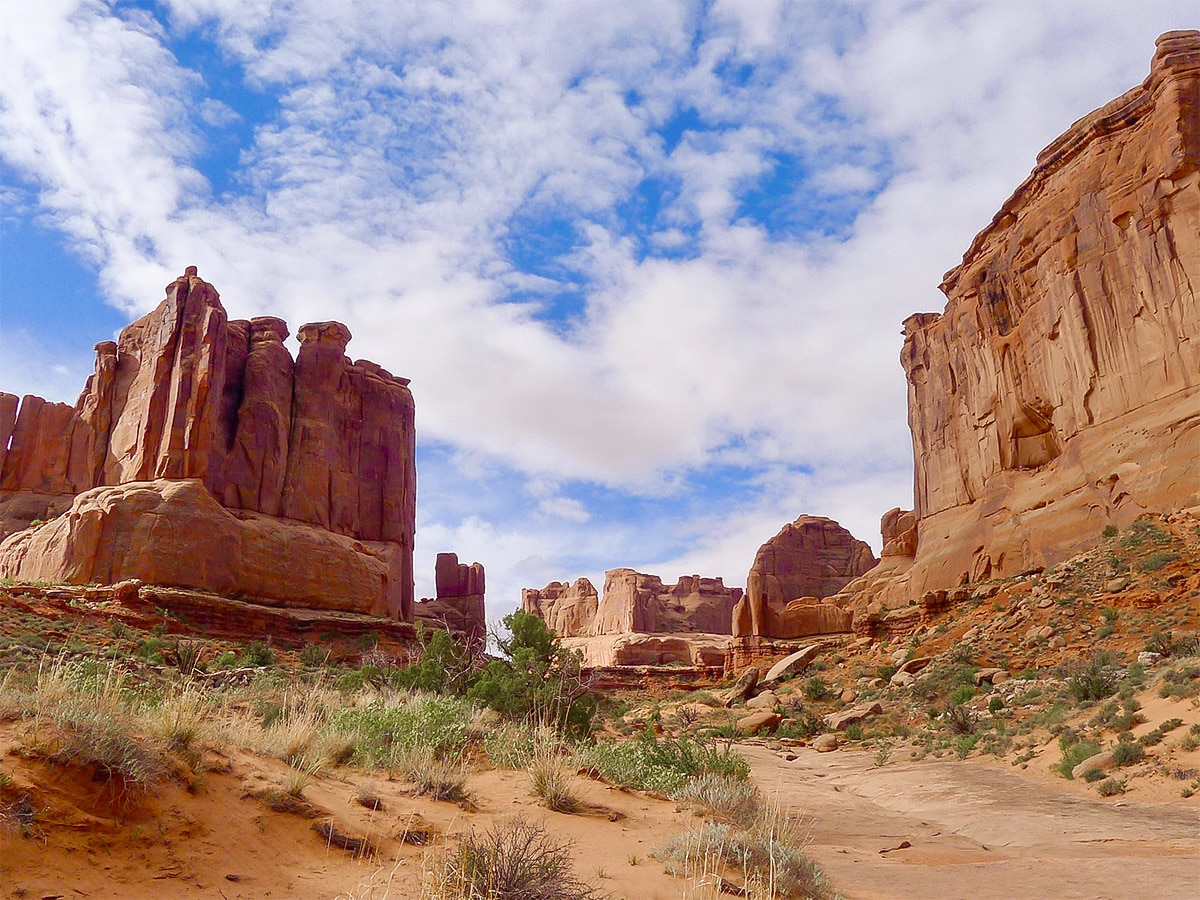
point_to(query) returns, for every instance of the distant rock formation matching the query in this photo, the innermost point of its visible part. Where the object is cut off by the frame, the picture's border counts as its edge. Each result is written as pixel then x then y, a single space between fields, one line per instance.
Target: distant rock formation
pixel 185 394
pixel 810 559
pixel 567 609
pixel 1059 390
pixel 634 603
pixel 459 606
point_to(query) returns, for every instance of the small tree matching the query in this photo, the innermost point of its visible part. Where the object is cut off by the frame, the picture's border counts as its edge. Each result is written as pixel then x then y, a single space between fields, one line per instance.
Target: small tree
pixel 444 668
pixel 537 681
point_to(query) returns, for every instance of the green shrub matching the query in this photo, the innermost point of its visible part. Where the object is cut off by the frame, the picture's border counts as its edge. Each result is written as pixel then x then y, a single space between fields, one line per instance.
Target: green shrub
pixel 384 731
pixel 258 654
pixel 1127 752
pixel 1156 561
pixel 816 689
pixel 648 763
pixel 962 694
pixel 1094 681
pixel 444 668
pixel 733 800
pixel 1110 531
pixel 538 682
pixel 1073 753
pixel 1110 787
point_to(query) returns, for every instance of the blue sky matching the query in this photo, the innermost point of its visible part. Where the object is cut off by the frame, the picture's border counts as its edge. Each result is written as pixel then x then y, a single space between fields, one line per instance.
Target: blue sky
pixel 644 262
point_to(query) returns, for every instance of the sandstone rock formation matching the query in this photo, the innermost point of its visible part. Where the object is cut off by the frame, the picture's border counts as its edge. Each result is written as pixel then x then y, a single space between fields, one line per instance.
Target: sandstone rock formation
pixel 810 559
pixel 186 394
pixel 567 609
pixel 459 605
pixel 1059 390
pixel 634 603
pixel 707 650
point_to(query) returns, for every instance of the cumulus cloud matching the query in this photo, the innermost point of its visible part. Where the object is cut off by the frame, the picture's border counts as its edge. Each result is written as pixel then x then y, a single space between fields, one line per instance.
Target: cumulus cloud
pixel 617 246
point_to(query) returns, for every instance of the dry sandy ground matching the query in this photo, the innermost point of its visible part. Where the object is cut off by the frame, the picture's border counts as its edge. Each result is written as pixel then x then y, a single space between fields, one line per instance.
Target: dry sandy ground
pixel 980 831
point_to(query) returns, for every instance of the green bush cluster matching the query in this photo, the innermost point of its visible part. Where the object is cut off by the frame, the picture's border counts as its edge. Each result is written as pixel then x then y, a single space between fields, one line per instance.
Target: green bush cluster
pixel 653 764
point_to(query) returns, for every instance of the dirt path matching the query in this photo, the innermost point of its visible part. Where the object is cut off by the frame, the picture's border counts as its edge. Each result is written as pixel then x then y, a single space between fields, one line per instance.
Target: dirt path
pixel 977 831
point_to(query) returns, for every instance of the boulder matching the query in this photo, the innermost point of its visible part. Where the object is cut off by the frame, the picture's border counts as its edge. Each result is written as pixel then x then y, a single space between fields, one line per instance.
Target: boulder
pixel 914 665
pixel 840 721
pixel 759 721
pixel 765 700
pixel 824 743
pixel 743 687
pixel 790 665
pixel 902 679
pixel 1104 761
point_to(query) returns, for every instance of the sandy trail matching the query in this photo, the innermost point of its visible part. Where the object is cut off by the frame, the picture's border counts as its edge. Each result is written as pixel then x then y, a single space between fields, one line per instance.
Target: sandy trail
pixel 978 831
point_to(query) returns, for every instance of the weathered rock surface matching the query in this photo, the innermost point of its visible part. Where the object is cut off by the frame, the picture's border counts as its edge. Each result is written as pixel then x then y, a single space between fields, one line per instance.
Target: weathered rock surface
pixel 847 717
pixel 707 650
pixel 186 394
pixel 764 720
pixel 1058 392
pixel 173 532
pixel 634 603
pixel 459 606
pixel 791 664
pixel 567 609
pixel 743 688
pixel 808 560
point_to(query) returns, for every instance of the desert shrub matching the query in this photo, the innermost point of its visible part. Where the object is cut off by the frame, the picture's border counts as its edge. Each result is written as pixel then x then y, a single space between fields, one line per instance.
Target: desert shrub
pixel 648 763
pixel 816 689
pixel 1091 776
pixel 1093 681
pixel 1110 531
pixel 516 860
pixel 226 660
pixel 432 776
pixel 444 668
pixel 1155 737
pixel 1180 682
pixel 802 723
pixel 258 654
pixel 550 780
pixel 1128 752
pixel 180 719
pixel 82 714
pixel 962 694
pixel 732 800
pixel 1156 561
pixel 385 728
pixel 1074 751
pixel 1111 787
pixel 537 682
pixel 961 720
pixel 995 705
pixel 510 746
pixel 760 854
pixel 964 744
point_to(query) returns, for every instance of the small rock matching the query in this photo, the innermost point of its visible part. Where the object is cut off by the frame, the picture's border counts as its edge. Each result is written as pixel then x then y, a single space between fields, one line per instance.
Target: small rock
pixel 899 657
pixel 1149 658
pixel 1057 642
pixel 849 696
pixel 971 633
pixel 985 675
pixel 765 700
pixel 903 679
pixel 825 742
pixel 756 722
pixel 1000 677
pixel 1116 585
pixel 875 682
pixel 1045 603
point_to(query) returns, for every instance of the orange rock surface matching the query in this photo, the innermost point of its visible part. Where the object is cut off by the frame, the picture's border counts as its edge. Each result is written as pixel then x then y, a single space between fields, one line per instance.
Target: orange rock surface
pixel 186 394
pixel 1059 390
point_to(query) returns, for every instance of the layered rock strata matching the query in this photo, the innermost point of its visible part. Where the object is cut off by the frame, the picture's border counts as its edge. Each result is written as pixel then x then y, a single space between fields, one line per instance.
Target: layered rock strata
pixel 1059 390
pixel 186 394
pixel 808 560
pixel 634 603
pixel 458 606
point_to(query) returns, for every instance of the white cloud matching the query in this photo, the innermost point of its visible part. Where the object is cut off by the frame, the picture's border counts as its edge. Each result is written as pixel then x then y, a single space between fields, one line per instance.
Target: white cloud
pixel 410 135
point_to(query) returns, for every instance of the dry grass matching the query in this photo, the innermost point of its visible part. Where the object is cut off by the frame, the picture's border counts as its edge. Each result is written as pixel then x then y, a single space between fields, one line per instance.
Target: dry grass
pixel 552 782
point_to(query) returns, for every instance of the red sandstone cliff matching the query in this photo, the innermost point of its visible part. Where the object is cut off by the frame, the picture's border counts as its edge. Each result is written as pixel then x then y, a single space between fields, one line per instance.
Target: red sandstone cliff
pixel 1059 391
pixel 186 394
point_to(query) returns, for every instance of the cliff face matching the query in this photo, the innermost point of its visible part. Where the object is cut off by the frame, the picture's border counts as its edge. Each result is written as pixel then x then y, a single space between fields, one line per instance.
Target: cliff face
pixel 1059 391
pixel 186 394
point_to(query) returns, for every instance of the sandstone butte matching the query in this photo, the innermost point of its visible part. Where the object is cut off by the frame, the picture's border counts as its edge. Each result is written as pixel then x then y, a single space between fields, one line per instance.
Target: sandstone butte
pixel 200 455
pixel 640 620
pixel 1059 390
